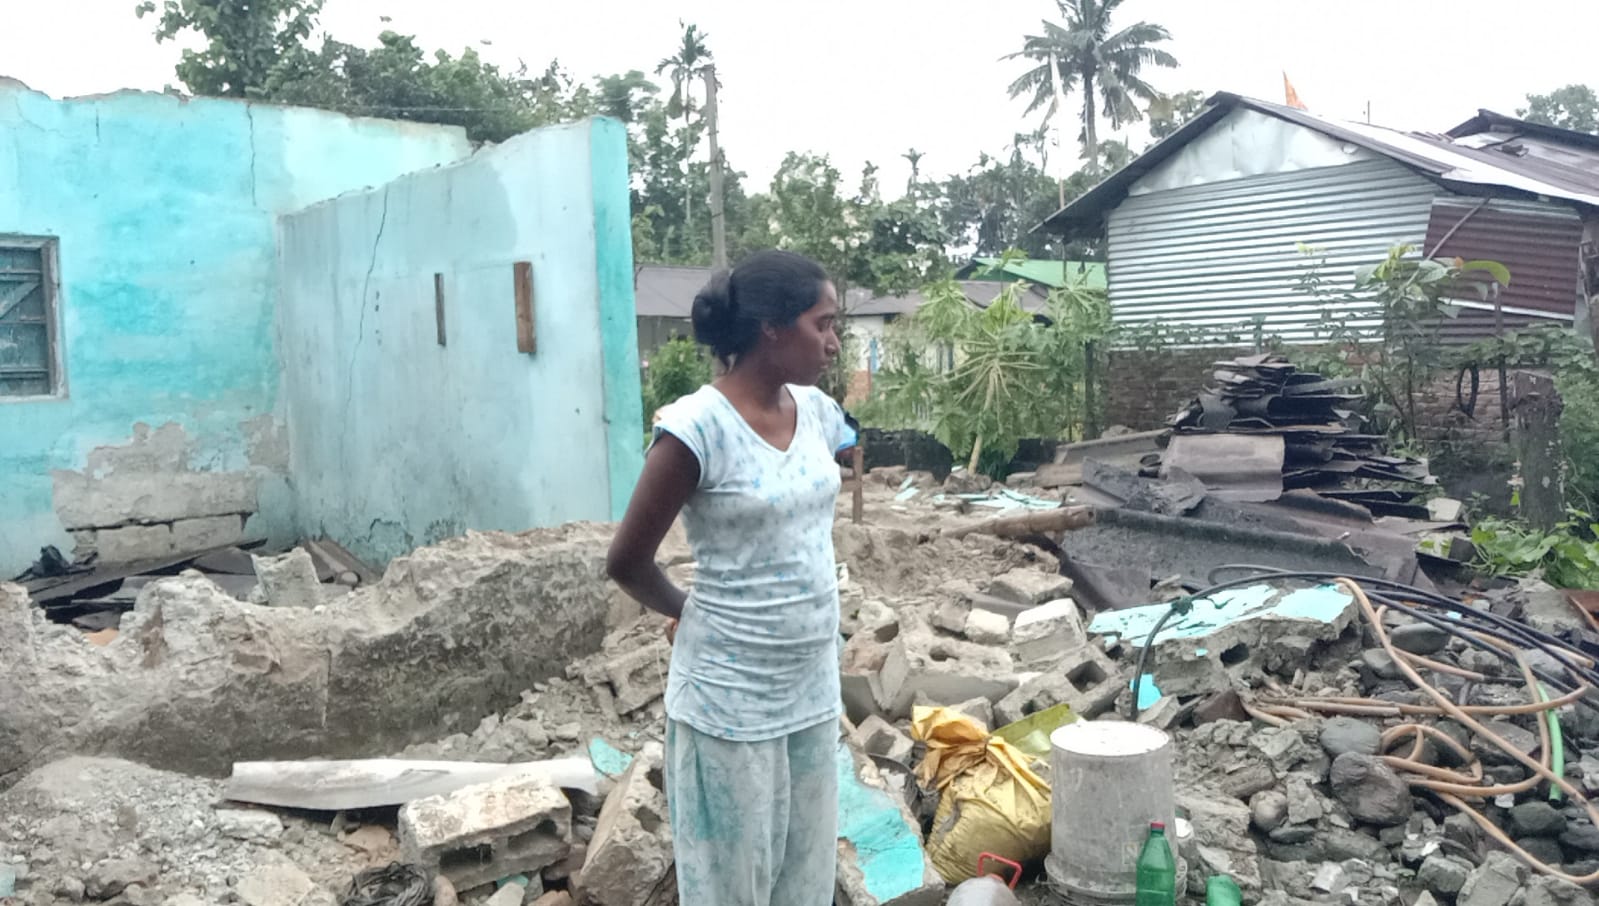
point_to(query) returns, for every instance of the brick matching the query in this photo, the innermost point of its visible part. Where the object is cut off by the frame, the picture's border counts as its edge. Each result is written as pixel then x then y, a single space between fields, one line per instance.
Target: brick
pixel 639 676
pixel 876 736
pixel 946 671
pixel 987 628
pixel 630 855
pixel 1030 587
pixel 881 861
pixel 1047 631
pixel 481 833
pixel 1088 681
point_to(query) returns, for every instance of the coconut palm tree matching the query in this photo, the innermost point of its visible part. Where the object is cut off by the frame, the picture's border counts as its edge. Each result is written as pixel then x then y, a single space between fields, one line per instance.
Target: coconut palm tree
pixel 1086 55
pixel 685 67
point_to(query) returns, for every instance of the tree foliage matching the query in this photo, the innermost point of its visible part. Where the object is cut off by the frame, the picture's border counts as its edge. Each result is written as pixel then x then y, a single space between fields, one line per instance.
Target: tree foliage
pixel 245 41
pixel 1087 56
pixel 1572 107
pixel 1169 112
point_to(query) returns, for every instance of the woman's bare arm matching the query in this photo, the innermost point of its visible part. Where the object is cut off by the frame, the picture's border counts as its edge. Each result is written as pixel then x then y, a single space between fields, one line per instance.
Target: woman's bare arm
pixel 671 474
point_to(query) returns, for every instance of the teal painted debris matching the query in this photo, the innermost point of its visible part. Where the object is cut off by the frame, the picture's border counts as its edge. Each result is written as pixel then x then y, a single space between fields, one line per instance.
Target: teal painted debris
pixel 608 759
pixel 1325 604
pixel 887 847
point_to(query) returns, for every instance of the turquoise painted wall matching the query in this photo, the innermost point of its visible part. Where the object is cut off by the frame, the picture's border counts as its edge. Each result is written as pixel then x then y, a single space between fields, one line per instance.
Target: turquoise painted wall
pixel 165 210
pixel 399 441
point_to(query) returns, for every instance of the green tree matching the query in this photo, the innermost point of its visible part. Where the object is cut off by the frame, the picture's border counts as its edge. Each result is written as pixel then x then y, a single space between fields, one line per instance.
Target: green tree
pixel 1572 107
pixel 1169 112
pixel 1088 56
pixel 685 68
pixel 244 41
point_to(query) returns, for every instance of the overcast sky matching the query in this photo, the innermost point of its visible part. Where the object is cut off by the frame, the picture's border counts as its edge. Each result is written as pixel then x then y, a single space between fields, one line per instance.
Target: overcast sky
pixel 867 79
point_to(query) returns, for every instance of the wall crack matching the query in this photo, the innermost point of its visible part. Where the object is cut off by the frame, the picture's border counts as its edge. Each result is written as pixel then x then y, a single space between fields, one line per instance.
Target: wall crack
pixel 360 331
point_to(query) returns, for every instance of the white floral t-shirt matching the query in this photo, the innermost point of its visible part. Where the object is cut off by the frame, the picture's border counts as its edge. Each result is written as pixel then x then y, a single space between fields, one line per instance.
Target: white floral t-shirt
pixel 756 655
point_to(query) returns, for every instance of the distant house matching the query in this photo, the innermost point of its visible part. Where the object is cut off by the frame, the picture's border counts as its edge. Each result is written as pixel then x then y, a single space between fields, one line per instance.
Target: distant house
pixel 664 299
pixel 1205 227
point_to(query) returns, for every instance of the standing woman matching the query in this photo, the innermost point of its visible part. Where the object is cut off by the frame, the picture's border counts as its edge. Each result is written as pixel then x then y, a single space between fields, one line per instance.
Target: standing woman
pixel 752 702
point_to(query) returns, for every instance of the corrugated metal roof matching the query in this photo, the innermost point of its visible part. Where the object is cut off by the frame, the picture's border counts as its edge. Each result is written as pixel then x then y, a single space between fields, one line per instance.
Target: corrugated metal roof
pixel 667 291
pixel 1036 270
pixel 1565 176
pixel 982 293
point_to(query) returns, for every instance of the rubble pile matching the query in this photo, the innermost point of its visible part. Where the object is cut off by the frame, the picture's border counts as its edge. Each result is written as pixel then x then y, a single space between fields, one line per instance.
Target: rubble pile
pixel 520 702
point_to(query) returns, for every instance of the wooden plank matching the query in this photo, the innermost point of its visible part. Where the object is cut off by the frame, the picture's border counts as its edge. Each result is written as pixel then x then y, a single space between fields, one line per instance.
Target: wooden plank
pixel 1038 522
pixel 526 335
pixel 438 306
pixel 345 561
pixel 331 786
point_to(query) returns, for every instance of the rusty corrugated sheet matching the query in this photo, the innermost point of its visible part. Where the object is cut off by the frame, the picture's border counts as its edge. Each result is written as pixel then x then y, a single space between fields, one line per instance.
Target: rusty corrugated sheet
pixel 1538 243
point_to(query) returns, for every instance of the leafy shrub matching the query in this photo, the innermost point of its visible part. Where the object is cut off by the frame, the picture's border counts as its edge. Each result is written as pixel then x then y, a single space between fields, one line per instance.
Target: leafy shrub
pixel 1568 557
pixel 675 370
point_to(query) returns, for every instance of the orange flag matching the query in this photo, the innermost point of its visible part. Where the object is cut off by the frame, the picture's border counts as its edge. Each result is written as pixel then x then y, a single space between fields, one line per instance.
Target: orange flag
pixel 1290 96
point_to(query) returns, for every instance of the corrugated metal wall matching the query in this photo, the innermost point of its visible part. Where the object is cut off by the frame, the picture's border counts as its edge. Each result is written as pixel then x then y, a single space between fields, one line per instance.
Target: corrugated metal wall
pixel 1226 253
pixel 1537 242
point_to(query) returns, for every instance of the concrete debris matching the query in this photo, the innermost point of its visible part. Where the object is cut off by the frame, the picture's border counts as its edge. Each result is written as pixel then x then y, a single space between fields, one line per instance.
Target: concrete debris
pixel 1044 632
pixel 1086 679
pixel 876 736
pixel 489 831
pixel 289 580
pixel 1494 883
pixel 1030 587
pixel 197 680
pixel 630 855
pixel 944 670
pixel 986 627
pixel 1370 790
pixel 881 861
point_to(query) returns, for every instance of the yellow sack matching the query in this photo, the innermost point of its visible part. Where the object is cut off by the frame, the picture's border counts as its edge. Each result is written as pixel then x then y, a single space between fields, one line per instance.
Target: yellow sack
pixel 990 800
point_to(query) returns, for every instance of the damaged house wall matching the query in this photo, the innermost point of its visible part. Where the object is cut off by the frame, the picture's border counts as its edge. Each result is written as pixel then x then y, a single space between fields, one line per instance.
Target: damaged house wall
pixel 414 411
pixel 165 422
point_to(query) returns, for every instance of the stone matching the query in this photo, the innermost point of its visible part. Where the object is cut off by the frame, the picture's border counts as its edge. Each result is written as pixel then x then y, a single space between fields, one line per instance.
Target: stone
pixel 877 736
pixel 630 855
pixel 1340 843
pixel 444 893
pixel 1494 882
pixel 1222 841
pixel 1536 819
pixel 280 883
pixel 1304 806
pixel 554 898
pixel 289 580
pixel 1086 679
pixel 1543 849
pixel 1425 898
pixel 879 841
pixel 638 677
pixel 1045 632
pixel 1370 790
pixel 132 543
pixel 85 501
pixel 1424 639
pixel 1268 810
pixel 1524 741
pixel 198 680
pixel 1349 734
pixel 1379 664
pixel 1281 747
pixel 1542 890
pixel 487 831
pixel 111 877
pixel 1444 874
pixel 249 824
pixel 1580 837
pixel 987 628
pixel 1030 587
pixel 1330 879
pixel 1245 782
pixel 945 670
pixel 1219 706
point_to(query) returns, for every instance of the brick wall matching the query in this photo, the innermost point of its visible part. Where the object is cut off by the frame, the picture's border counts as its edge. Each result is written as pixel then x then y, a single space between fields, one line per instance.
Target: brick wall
pixel 1144 387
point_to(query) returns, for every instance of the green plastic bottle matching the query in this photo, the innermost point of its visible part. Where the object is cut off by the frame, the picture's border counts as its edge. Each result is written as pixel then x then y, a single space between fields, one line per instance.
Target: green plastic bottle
pixel 1221 890
pixel 1157 870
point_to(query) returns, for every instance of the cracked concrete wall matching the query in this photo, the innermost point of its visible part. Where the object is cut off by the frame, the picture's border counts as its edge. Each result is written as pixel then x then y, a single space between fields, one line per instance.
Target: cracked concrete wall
pixel 165 211
pixel 399 440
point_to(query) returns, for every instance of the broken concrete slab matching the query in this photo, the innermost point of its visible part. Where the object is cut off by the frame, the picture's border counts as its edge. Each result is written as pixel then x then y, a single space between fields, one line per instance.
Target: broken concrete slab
pixel 987 628
pixel 1046 632
pixel 479 834
pixel 876 736
pixel 83 501
pixel 1086 679
pixel 197 680
pixel 945 671
pixel 881 861
pixel 1030 587
pixel 288 580
pixel 638 677
pixel 630 855
pixel 332 785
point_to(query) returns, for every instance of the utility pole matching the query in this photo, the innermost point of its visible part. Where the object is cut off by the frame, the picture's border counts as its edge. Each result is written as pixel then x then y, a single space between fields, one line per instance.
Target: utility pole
pixel 718 212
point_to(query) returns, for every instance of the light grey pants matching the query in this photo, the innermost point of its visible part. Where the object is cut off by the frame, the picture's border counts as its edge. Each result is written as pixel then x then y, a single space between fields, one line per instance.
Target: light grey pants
pixel 754 823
